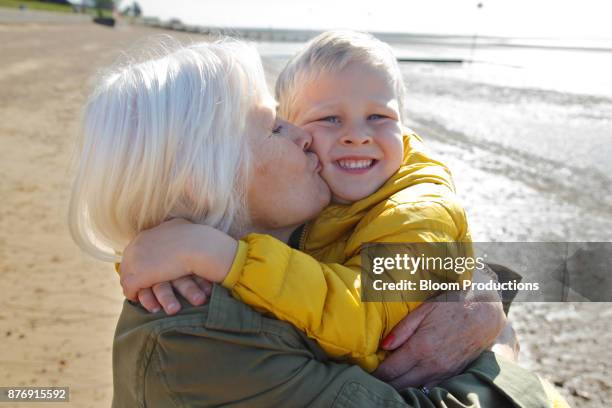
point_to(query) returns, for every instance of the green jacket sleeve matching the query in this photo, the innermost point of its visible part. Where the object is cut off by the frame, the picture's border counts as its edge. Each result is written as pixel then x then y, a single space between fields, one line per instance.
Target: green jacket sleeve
pixel 227 354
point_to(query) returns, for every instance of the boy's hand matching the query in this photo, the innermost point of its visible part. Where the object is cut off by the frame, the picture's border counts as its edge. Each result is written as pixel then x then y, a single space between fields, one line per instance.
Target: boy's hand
pixel 193 288
pixel 172 250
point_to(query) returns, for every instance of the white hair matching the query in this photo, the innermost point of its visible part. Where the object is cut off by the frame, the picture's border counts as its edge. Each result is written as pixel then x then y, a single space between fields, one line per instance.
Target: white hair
pixel 331 52
pixel 166 138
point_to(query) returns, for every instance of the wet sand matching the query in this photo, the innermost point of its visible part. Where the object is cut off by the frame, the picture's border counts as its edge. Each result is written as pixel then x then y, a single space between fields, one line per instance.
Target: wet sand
pixel 59 307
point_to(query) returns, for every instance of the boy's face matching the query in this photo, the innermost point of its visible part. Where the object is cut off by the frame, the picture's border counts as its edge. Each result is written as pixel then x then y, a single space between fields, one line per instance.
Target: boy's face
pixel 353 117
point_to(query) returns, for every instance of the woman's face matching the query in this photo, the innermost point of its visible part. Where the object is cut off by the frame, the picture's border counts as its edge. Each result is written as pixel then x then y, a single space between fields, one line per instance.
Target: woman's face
pixel 284 187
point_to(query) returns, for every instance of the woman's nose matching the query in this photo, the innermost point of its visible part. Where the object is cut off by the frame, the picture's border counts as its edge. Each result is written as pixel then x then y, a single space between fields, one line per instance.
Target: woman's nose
pixel 300 137
pixel 356 135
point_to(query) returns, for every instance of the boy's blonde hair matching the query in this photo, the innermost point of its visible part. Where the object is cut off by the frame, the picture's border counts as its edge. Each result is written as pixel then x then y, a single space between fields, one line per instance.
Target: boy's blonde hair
pixel 166 138
pixel 330 52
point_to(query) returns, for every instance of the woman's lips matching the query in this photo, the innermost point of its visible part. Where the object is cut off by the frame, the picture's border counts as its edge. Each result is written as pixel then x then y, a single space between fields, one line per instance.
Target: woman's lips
pixel 315 162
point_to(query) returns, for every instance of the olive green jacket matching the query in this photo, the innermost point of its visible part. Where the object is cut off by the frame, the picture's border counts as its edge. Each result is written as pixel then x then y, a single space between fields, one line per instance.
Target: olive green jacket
pixel 227 354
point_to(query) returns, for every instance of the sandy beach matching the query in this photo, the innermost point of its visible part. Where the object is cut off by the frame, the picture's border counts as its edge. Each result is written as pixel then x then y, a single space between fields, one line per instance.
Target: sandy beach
pixel 59 307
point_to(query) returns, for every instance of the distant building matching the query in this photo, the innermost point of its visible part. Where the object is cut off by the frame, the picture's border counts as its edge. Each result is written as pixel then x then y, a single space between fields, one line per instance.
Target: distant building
pixel 64 2
pixel 80 6
pixel 81 3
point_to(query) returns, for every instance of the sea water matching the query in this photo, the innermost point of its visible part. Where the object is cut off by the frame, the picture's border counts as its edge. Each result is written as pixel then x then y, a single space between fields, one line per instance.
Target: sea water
pixel 543 113
pixel 537 112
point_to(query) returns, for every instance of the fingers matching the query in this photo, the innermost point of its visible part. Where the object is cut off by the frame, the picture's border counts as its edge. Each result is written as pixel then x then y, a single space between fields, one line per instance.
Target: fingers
pixel 426 373
pixel 406 328
pixel 148 301
pixel 166 297
pixel 130 291
pixel 163 296
pixel 417 377
pixel 416 365
pixel 131 282
pixel 396 364
pixel 433 383
pixel 190 290
pixel 205 285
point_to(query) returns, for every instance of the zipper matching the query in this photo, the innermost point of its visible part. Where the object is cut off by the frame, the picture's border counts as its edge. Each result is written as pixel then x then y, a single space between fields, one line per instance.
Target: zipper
pixel 302 241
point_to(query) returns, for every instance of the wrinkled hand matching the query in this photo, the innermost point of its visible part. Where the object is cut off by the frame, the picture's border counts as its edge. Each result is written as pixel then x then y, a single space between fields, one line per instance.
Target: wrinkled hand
pixel 193 288
pixel 438 340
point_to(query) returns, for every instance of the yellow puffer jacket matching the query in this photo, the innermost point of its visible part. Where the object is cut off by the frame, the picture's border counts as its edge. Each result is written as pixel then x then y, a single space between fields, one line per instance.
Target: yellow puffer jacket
pixel 318 290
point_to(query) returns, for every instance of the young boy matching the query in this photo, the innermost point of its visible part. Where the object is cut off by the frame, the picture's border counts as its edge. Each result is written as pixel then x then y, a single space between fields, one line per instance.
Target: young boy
pixel 346 89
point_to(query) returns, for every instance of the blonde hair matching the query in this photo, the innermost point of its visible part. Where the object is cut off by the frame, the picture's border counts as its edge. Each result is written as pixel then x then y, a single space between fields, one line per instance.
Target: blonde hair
pixel 330 52
pixel 166 138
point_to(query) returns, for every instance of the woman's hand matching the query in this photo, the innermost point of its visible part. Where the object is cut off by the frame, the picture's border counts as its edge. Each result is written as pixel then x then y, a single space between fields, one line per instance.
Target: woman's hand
pixel 440 338
pixel 172 250
pixel 193 288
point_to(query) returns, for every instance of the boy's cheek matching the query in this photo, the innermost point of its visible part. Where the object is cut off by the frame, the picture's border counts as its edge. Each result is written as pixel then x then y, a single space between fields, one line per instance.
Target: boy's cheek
pixel 395 138
pixel 321 144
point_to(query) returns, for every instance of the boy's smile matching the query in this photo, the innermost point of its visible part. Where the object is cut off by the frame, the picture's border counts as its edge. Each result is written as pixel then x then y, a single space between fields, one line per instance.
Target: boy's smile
pixel 356 165
pixel 353 117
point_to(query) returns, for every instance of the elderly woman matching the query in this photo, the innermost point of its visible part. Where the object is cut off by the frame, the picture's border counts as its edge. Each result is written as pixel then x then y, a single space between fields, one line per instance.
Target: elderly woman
pixel 193 134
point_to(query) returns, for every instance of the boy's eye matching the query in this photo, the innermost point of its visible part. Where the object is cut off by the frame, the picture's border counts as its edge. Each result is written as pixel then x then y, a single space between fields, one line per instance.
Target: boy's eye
pixel 376 116
pixel 277 129
pixel 330 119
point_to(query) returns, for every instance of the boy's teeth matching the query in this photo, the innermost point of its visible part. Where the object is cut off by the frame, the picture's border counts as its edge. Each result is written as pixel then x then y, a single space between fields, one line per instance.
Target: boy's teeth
pixel 355 164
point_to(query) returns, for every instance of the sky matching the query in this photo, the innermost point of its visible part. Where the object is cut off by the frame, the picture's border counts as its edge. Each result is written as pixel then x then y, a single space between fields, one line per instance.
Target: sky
pixel 517 18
